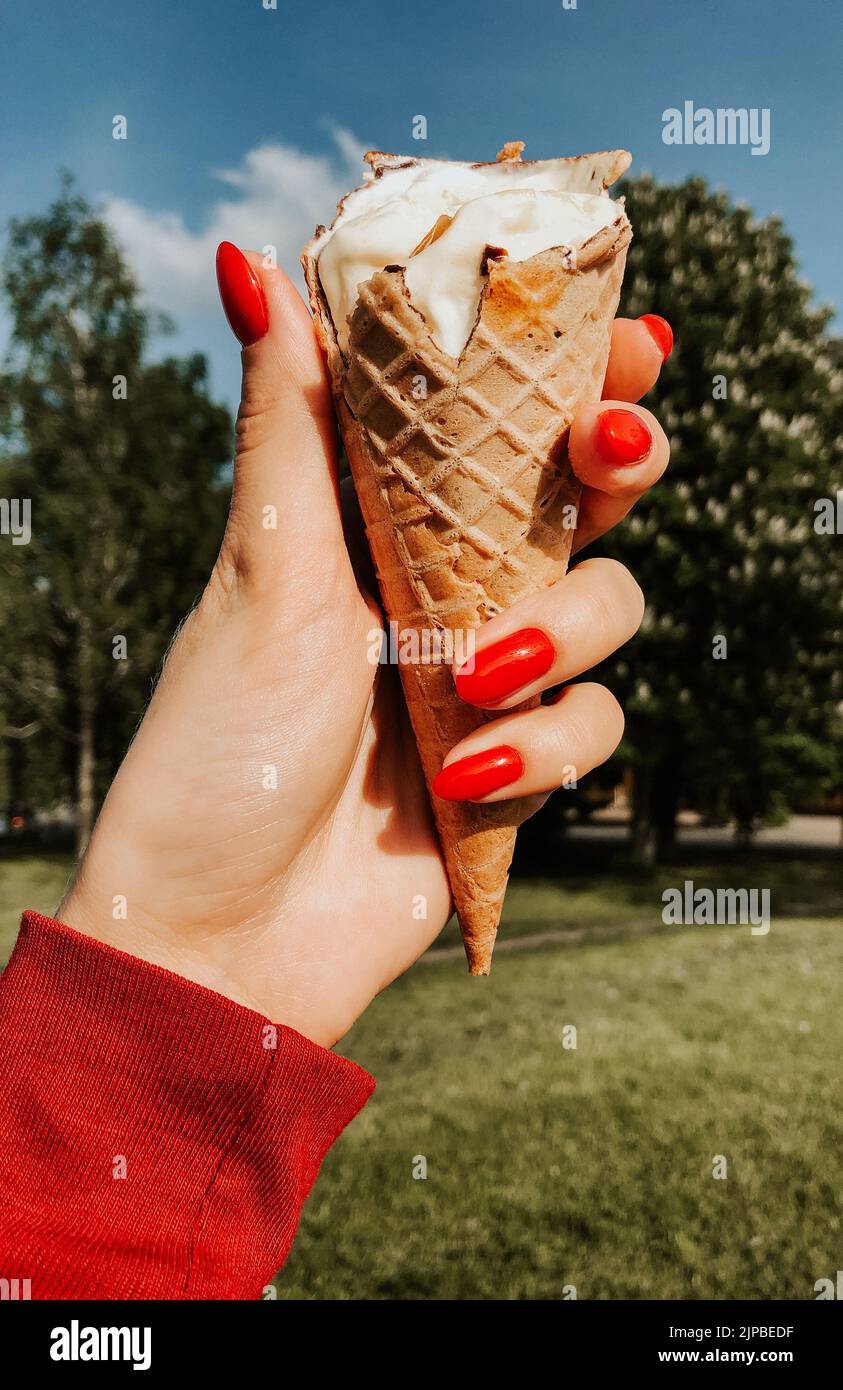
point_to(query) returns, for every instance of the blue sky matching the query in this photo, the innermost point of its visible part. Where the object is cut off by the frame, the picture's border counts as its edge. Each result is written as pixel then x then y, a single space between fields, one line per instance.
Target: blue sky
pixel 247 123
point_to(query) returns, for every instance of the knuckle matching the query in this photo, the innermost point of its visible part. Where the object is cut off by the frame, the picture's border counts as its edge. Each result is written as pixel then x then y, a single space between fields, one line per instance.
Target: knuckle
pixel 617 591
pixel 631 590
pixel 251 432
pixel 613 715
pixel 259 394
pixel 255 413
pixel 604 710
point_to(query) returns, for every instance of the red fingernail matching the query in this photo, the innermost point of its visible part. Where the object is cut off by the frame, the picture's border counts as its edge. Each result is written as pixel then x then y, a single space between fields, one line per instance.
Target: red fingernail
pixel 505 666
pixel 622 437
pixel 661 331
pixel 478 774
pixel 242 295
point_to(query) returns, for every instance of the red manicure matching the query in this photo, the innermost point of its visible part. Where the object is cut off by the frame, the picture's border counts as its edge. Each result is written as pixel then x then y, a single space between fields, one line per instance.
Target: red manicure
pixel 661 331
pixel 242 295
pixel 505 666
pixel 479 774
pixel 622 437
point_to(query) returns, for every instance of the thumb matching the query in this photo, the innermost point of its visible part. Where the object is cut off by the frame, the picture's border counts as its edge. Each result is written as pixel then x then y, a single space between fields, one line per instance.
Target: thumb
pixel 285 504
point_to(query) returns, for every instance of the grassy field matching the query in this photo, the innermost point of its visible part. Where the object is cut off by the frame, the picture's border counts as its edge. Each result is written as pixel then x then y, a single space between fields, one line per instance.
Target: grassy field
pixel 593 1167
pixel 547 1166
pixel 28 879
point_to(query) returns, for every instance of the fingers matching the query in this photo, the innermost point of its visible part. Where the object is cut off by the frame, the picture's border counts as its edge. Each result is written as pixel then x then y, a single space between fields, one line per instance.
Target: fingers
pixel 612 453
pixel 285 487
pixel 531 752
pixel 618 451
pixel 543 640
pixel 639 348
pixel 552 636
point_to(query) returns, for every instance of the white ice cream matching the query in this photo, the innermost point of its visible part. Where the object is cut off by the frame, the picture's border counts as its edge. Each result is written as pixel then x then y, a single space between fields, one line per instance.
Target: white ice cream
pixel 523 208
pixel 444 280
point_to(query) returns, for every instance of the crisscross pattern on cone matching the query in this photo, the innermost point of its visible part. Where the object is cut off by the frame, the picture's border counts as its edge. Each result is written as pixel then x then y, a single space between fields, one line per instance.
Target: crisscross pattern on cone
pixel 464 484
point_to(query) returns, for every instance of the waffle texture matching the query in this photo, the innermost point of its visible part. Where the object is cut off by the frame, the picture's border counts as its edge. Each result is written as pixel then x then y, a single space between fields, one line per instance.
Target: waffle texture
pixel 464 484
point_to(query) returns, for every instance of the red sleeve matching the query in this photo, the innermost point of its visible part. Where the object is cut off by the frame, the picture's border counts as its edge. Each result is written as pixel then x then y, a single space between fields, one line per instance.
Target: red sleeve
pixel 156 1139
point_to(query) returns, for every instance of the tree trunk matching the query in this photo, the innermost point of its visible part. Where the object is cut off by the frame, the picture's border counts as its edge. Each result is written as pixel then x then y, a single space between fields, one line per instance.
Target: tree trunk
pixel 14 780
pixel 85 783
pixel 666 805
pixel 654 808
pixel 642 829
pixel 744 834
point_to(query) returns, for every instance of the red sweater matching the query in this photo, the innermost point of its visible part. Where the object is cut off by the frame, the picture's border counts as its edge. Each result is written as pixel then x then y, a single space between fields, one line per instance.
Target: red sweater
pixel 156 1139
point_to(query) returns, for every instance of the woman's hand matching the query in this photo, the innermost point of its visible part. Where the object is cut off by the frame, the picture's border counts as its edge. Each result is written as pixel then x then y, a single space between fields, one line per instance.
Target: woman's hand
pixel 268 834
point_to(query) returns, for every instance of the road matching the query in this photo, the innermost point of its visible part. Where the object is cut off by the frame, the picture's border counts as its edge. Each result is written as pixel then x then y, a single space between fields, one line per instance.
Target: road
pixel 799 833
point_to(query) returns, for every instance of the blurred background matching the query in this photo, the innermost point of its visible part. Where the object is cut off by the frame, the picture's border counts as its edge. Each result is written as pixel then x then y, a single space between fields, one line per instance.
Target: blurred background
pixel 132 140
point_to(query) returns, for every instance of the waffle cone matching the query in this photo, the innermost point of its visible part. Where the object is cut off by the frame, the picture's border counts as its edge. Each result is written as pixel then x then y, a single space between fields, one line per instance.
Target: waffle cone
pixel 462 475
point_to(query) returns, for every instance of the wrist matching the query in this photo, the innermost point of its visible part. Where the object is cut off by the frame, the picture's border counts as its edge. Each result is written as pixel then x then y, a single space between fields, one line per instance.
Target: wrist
pixel 222 961
pixel 138 933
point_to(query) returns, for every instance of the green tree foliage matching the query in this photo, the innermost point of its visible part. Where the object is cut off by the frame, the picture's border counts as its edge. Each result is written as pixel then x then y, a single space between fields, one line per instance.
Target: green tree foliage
pixel 123 463
pixel 727 545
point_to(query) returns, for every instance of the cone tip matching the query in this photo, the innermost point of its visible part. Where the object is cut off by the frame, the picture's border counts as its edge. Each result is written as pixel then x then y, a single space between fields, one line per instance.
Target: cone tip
pixel 479 957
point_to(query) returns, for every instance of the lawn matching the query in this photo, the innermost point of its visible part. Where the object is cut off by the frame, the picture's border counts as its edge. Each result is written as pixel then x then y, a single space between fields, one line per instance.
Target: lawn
pixel 549 1166
pixel 28 879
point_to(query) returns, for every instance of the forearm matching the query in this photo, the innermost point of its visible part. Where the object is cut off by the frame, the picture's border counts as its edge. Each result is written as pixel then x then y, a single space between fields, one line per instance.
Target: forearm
pixel 157 1139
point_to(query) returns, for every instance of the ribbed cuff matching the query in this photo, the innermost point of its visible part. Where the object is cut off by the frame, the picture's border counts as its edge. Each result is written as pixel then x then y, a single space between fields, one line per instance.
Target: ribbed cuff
pixel 218 1119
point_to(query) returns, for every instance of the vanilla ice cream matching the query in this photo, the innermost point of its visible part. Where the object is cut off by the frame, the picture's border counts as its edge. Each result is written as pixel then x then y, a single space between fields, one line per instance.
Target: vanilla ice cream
pixel 521 209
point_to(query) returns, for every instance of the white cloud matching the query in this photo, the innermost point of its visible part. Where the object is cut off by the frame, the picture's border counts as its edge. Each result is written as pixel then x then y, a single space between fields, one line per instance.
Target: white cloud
pixel 279 195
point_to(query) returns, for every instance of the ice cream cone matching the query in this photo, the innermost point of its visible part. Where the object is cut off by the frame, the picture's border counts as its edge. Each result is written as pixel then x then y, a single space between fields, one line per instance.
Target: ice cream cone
pixel 461 470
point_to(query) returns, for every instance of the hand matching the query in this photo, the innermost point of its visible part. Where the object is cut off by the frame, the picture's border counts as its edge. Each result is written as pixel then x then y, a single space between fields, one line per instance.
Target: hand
pixel 269 829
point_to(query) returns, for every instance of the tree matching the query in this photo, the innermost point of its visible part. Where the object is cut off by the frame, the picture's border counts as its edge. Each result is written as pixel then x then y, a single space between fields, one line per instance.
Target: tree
pixel 122 462
pixel 733 687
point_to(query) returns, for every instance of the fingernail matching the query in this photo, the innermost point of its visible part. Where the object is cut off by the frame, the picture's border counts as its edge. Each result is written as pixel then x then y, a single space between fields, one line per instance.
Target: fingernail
pixel 479 774
pixel 242 295
pixel 661 332
pixel 505 666
pixel 622 437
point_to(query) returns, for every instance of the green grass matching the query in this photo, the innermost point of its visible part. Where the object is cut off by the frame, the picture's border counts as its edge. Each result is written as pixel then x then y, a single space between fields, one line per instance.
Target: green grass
pixel 28 879
pixel 593 1167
